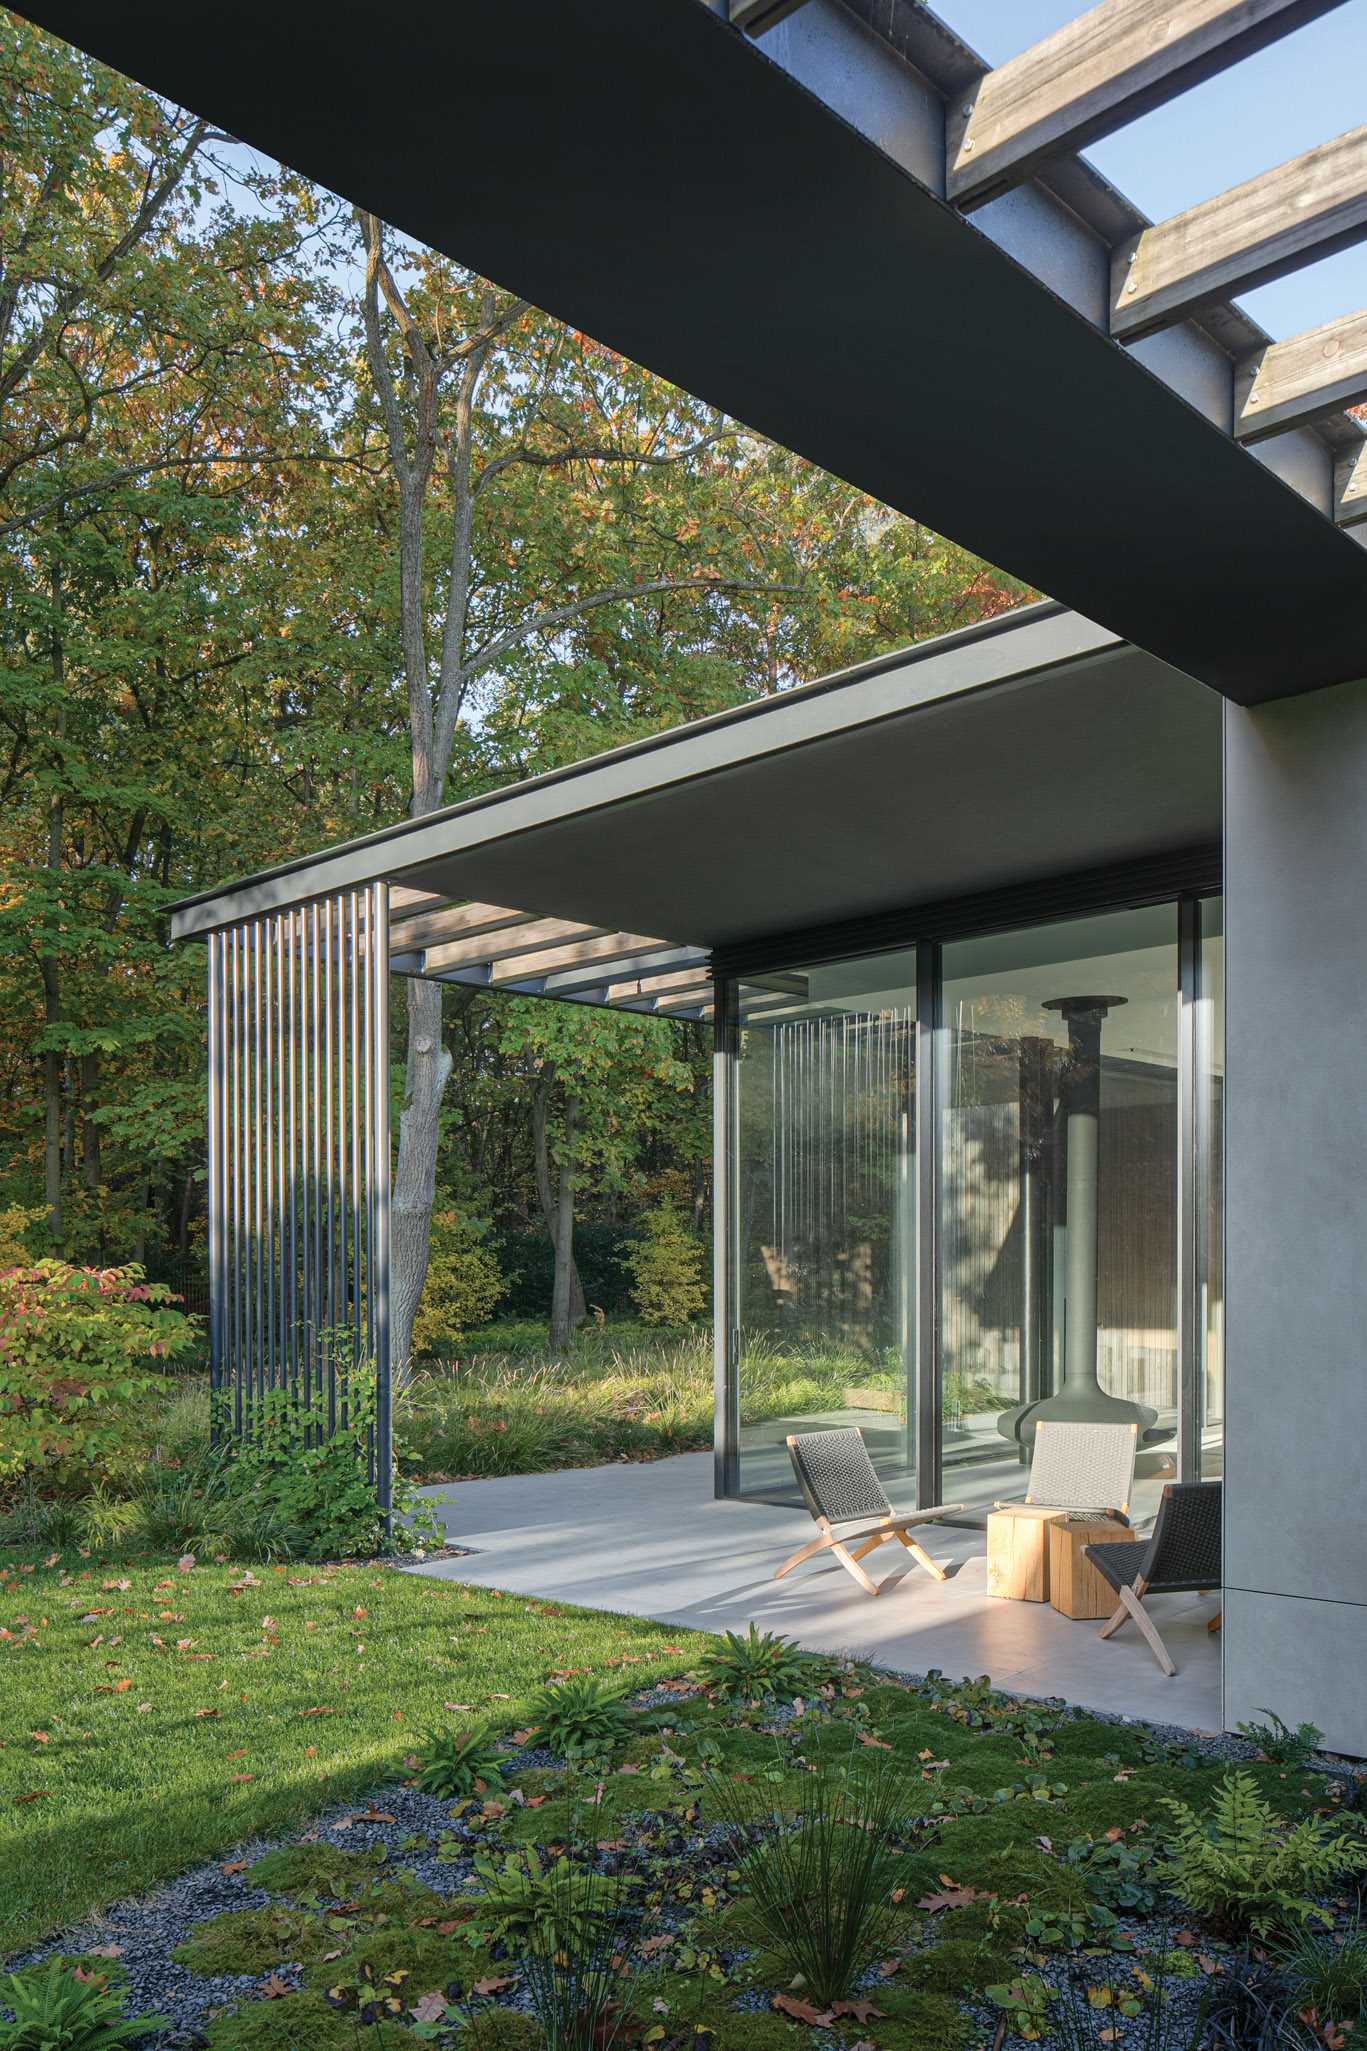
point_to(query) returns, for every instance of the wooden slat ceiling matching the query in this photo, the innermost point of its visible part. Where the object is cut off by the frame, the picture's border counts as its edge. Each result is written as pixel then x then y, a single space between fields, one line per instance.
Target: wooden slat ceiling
pixel 497 947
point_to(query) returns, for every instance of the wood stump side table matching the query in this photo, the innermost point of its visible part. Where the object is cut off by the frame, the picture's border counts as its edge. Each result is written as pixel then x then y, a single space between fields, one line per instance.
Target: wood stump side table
pixel 1018 1551
pixel 1076 1589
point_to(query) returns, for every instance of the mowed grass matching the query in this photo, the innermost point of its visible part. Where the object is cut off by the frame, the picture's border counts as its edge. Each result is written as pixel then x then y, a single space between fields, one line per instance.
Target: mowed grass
pixel 149 1717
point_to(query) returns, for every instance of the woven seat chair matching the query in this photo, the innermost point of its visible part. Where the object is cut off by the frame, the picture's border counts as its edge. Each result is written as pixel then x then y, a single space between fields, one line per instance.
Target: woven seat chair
pixel 1083 1467
pixel 1182 1556
pixel 839 1486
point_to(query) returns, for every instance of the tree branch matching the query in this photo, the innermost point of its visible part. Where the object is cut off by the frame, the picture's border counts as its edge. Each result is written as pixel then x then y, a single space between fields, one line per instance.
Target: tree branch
pixel 554 616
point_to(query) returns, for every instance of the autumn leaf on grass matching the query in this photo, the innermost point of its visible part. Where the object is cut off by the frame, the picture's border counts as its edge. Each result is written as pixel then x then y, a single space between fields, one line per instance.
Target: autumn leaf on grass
pixel 104 1951
pixel 803 2011
pixel 231 1866
pixel 431 2009
pixel 273 1988
pixel 34 1795
pixel 236 1779
pixel 947 1898
pixel 321 1710
pixel 208 1712
pixel 861 2009
pixel 41 1737
pixel 875 1744
pixel 494 1985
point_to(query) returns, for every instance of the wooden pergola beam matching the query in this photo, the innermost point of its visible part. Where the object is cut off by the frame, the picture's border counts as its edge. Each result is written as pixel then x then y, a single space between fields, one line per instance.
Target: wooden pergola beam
pixel 450 922
pixel 1304 209
pixel 625 972
pixel 1304 378
pixel 1093 75
pixel 526 939
pixel 573 951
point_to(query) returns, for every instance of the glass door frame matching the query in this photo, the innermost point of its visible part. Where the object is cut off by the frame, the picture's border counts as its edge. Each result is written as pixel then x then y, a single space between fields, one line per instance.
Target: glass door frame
pixel 1195 1051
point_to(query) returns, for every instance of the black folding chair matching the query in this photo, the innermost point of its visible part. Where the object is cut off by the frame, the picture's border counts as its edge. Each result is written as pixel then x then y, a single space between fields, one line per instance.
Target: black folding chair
pixel 1181 1556
pixel 839 1486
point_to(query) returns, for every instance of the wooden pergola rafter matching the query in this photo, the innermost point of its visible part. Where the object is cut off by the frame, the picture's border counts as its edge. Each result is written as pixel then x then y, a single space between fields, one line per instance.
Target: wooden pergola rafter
pixel 1023 122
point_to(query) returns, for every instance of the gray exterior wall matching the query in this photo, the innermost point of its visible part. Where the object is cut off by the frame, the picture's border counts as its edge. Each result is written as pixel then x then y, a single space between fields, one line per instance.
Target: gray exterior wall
pixel 1296 1212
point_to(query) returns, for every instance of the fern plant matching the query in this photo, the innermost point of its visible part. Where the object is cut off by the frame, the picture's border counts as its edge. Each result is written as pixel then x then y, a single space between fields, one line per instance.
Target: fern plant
pixel 579 1716
pixel 762 1663
pixel 66 2008
pixel 1243 1864
pixel 453 1765
pixel 1279 1743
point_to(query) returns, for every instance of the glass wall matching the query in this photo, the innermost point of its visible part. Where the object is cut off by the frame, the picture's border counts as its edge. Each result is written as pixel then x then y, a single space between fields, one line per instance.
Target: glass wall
pixel 1210 1188
pixel 825 1214
pixel 1058 1193
pixel 1070 1173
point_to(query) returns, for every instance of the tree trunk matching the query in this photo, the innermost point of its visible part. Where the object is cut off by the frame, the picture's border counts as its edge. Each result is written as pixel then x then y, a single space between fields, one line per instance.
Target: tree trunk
pixel 563 1319
pixel 90 1131
pixel 541 1157
pixel 52 1102
pixel 415 1174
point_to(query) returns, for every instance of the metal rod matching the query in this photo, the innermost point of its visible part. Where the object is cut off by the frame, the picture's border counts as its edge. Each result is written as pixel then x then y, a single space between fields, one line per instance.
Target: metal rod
pixel 379 1099
pixel 238 1196
pixel 269 1065
pixel 330 1269
pixel 215 1165
pixel 355 972
pixel 292 1085
pixel 308 1232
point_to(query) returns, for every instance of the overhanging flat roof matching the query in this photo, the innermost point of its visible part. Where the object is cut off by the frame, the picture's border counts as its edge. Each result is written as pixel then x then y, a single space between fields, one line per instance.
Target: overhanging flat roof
pixel 1034 746
pixel 650 174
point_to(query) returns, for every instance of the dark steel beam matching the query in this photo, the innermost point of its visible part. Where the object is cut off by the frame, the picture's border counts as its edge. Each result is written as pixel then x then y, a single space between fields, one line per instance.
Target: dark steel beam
pixel 984 405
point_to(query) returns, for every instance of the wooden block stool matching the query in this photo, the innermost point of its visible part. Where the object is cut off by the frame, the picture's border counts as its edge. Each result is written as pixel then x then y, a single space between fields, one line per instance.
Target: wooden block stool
pixel 1018 1551
pixel 1075 1587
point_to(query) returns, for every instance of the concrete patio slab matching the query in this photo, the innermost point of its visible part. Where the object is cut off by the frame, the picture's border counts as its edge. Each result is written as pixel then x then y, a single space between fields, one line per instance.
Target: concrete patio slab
pixel 651 1540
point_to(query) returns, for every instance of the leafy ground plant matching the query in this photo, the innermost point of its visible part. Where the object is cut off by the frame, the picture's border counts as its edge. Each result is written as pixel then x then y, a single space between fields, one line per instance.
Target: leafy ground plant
pixel 1327 1973
pixel 523 1896
pixel 580 1717
pixel 63 2006
pixel 575 1967
pixel 456 1764
pixel 1246 1866
pixel 762 1663
pixel 1279 1743
pixel 821 1891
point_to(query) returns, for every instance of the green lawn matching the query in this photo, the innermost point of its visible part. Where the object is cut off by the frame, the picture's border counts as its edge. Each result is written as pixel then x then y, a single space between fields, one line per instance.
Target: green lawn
pixel 150 1717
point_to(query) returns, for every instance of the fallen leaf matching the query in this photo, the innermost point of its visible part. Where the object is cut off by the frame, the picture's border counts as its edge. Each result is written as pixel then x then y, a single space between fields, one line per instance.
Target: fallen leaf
pixel 802 2011
pixel 948 1898
pixel 874 1744
pixel 208 1712
pixel 494 1985
pixel 861 2009
pixel 186 1563
pixel 105 1950
pixel 430 2009
pixel 40 1737
pixel 34 1795
pixel 231 1866
pixel 121 1687
pixel 273 1988
pixel 237 1779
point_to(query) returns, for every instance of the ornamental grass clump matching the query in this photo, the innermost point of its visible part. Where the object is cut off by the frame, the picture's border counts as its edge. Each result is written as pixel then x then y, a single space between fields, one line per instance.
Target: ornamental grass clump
pixel 821 1892
pixel 1243 1865
pixel 577 1968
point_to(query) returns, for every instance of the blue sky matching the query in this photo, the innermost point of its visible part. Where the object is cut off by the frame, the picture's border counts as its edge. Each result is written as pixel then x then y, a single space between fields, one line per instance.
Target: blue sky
pixel 1304 90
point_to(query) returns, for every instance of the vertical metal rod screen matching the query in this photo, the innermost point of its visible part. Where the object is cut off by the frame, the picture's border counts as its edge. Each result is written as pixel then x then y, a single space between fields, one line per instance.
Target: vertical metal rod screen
pixel 299 1162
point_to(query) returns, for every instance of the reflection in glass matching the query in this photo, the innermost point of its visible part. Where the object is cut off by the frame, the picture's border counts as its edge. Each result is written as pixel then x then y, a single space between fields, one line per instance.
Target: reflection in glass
pixel 1210 1184
pixel 1058 1188
pixel 825 1224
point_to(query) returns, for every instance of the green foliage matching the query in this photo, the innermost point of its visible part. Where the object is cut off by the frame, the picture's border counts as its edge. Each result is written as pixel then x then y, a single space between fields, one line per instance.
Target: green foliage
pixel 253 1940
pixel 464 1286
pixel 762 1663
pixel 1116 1873
pixel 1326 1971
pixel 1242 1863
pixel 572 1962
pixel 580 1717
pixel 523 1897
pixel 299 2020
pixel 77 1376
pixel 668 1268
pixel 1279 1743
pixel 293 1489
pixel 452 1765
pixel 321 1870
pixel 18 1228
pixel 821 1893
pixel 1025 2004
pixel 62 2006
pixel 1089 2015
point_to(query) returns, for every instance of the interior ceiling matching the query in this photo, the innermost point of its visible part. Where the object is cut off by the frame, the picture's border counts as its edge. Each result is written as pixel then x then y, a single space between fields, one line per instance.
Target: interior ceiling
pixel 1106 760
pixel 645 172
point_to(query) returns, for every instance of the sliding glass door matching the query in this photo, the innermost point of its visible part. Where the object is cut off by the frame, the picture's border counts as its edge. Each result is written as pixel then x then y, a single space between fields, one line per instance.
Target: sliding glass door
pixel 825 1213
pixel 1048 1244
pixel 1058 1194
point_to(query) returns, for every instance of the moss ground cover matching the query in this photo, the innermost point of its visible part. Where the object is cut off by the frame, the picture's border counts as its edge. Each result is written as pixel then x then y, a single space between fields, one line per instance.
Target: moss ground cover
pixel 1029 1845
pixel 149 1717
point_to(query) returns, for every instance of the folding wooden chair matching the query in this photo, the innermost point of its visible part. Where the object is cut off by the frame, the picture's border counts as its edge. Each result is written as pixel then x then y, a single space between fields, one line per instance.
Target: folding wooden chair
pixel 1083 1467
pixel 1182 1556
pixel 839 1486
